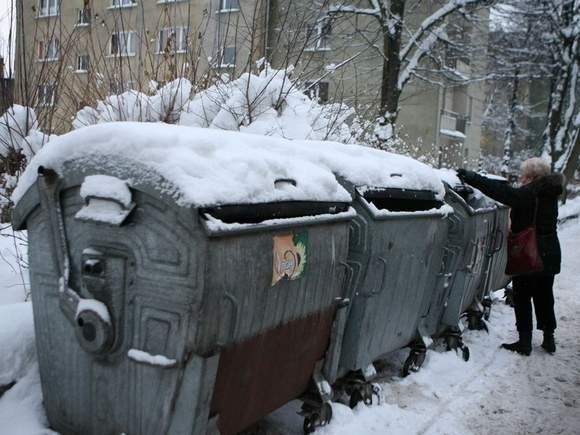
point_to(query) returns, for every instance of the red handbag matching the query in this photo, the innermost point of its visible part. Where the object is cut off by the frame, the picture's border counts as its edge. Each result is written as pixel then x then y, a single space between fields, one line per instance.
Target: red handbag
pixel 523 252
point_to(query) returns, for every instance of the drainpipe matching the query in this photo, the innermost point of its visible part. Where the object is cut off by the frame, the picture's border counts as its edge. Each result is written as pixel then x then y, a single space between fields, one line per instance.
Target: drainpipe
pixel 267 30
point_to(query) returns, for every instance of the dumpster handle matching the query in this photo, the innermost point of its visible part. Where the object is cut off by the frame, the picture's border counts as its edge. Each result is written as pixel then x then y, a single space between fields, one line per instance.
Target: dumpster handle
pixel 497 246
pixel 474 260
pixel 234 304
pixel 372 293
pixel 348 277
pixel 69 299
pixel 279 181
pixel 90 318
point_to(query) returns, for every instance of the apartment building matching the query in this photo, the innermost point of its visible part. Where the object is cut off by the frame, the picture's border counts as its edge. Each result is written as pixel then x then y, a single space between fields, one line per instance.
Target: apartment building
pixel 72 53
pixel 341 57
pixel 75 52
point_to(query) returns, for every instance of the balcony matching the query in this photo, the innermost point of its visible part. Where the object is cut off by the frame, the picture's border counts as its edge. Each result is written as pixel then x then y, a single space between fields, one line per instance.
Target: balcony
pixel 454 125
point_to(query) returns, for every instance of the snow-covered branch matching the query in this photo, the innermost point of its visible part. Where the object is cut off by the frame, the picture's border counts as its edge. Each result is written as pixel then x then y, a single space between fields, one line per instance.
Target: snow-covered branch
pixel 349 9
pixel 431 22
pixel 425 46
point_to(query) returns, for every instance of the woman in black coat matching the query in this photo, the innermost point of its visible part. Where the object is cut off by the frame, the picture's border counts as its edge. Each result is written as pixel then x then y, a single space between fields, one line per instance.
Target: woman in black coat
pixel 541 189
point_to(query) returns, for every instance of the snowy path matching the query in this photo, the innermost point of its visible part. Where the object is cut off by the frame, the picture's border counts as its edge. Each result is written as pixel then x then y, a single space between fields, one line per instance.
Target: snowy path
pixel 496 392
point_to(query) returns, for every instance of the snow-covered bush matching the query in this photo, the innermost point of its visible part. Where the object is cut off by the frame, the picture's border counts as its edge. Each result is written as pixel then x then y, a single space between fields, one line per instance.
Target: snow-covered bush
pixel 165 105
pixel 20 139
pixel 270 103
pixel 17 124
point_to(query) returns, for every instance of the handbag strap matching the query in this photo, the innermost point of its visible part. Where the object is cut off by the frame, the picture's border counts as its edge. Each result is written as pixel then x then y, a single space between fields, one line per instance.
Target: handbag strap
pixel 535 212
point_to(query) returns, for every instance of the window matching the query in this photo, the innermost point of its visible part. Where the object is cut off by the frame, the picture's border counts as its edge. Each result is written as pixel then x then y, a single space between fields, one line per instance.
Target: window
pixel 450 59
pixel 48 8
pixel 115 86
pixel 229 5
pixel 123 44
pixel 173 40
pixel 46 95
pixel 83 17
pixel 318 36
pixel 317 91
pixel 83 62
pixel 228 57
pixel 123 3
pixel 48 51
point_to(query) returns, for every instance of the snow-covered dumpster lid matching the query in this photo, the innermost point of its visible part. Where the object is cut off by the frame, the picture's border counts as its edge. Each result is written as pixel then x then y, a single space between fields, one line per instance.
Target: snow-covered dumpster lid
pixel 388 185
pixel 370 168
pixel 198 167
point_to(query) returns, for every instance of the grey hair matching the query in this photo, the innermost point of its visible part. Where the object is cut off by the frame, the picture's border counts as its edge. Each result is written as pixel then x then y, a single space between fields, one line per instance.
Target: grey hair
pixel 535 167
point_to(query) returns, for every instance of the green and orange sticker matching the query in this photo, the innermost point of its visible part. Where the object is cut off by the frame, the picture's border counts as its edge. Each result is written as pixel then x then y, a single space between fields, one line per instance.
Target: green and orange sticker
pixel 290 256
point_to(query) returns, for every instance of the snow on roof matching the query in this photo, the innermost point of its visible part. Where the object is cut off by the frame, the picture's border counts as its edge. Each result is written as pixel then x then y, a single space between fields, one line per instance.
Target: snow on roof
pixel 212 167
pixel 452 133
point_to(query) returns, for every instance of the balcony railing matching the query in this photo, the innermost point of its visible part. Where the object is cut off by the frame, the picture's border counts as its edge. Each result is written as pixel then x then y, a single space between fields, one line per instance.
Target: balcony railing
pixel 454 124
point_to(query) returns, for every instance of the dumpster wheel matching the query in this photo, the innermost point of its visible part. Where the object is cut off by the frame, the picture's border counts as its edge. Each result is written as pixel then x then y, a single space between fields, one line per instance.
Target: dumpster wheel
pixel 465 353
pixel 416 358
pixel 363 392
pixel 318 418
pixel 413 363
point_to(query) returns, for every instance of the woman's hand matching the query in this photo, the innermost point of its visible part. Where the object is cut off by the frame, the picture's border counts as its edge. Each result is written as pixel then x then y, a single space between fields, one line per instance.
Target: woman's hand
pixel 465 175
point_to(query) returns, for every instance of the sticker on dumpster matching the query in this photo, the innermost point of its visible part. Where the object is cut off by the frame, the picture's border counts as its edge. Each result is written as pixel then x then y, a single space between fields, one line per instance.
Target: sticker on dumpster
pixel 290 256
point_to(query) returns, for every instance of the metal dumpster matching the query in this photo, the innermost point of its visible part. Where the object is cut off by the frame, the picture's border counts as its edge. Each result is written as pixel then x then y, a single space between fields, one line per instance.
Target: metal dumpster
pixel 396 249
pixel 496 278
pixel 154 318
pixel 472 236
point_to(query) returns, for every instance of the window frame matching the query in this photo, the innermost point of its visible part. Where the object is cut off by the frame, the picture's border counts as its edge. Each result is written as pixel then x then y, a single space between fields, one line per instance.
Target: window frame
pixel 181 40
pixel 87 66
pixel 224 8
pixel 130 43
pixel 120 4
pixel 222 57
pixel 83 17
pixel 48 11
pixel 44 50
pixel 42 93
pixel 317 39
pixel 318 92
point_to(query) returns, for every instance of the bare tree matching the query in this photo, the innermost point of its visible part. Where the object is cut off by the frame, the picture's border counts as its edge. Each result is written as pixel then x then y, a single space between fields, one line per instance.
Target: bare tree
pixel 402 46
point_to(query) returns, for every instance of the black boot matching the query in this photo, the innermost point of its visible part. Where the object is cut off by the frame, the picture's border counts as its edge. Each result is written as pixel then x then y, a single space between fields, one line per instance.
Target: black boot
pixel 549 344
pixel 523 346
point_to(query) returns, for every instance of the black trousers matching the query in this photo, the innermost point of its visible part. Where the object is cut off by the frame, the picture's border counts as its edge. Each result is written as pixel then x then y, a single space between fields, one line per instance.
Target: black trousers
pixel 538 288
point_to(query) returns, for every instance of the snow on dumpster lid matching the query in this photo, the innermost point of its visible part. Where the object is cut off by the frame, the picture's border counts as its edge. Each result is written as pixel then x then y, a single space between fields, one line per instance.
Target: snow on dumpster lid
pixel 370 167
pixel 206 167
pixel 212 167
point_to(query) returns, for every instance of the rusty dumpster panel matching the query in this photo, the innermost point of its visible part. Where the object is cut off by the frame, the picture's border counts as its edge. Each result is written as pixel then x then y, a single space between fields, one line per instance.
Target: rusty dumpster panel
pixel 259 375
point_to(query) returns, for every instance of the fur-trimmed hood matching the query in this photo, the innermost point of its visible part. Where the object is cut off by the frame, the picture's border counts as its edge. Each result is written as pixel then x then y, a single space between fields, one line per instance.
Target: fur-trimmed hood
pixel 549 185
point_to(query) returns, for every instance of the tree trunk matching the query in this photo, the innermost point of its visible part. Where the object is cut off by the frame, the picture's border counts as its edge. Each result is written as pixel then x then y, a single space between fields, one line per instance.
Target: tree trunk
pixel 390 93
pixel 510 130
pixel 571 164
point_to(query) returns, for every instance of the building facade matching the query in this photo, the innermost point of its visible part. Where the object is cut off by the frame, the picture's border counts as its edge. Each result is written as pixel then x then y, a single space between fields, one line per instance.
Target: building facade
pixel 73 53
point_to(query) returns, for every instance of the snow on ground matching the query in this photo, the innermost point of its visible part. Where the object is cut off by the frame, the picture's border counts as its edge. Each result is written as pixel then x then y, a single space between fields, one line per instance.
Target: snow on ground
pixel 569 210
pixel 495 392
pixel 13 280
